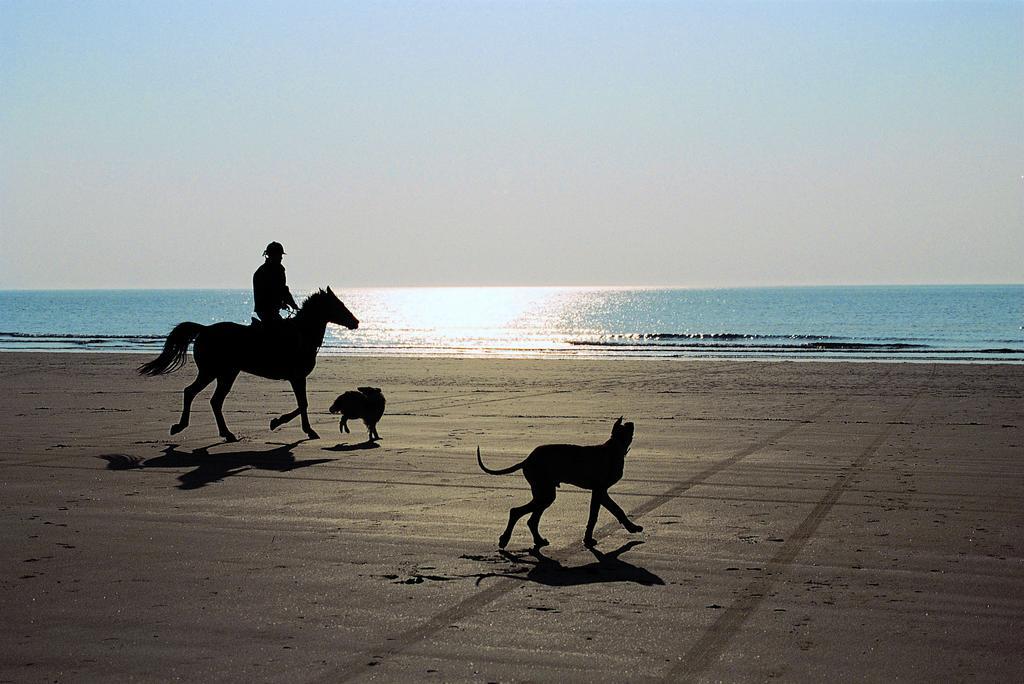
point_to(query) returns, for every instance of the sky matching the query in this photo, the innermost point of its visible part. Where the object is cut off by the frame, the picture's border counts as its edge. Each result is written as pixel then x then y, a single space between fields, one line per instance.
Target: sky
pixel 164 144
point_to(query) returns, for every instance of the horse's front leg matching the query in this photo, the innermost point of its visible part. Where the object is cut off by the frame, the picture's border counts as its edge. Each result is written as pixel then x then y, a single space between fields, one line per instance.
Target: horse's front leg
pixel 299 387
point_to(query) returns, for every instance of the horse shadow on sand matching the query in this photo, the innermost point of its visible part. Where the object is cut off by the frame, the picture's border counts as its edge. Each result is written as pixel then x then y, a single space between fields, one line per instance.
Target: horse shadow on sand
pixel 210 468
pixel 608 567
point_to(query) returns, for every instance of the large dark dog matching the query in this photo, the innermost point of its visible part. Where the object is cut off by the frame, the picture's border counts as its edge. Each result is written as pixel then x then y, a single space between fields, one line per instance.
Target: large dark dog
pixel 595 468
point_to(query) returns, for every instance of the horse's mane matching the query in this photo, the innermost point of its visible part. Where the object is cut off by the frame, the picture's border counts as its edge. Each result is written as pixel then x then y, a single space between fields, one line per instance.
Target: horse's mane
pixel 312 301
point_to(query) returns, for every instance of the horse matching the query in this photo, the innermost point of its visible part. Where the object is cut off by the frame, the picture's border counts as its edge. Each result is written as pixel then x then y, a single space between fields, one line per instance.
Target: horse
pixel 285 350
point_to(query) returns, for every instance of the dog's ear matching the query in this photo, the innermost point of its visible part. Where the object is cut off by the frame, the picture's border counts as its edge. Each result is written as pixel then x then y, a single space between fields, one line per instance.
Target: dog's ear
pixel 618 423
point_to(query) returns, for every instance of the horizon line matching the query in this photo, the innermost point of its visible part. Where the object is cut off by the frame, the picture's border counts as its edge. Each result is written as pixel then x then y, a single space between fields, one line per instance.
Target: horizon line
pixel 303 288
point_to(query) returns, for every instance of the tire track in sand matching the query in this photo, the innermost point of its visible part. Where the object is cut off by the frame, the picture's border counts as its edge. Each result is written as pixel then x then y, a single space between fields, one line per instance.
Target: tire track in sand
pixel 709 647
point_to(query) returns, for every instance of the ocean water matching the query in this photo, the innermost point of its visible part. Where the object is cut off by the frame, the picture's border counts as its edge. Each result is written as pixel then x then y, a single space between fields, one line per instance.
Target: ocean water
pixel 919 323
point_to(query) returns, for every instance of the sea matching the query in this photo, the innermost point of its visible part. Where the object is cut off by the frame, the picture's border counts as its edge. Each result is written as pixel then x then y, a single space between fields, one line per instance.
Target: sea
pixel 963 324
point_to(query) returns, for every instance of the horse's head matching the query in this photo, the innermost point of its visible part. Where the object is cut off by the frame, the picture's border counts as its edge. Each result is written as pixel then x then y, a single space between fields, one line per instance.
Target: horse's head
pixel 324 306
pixel 338 313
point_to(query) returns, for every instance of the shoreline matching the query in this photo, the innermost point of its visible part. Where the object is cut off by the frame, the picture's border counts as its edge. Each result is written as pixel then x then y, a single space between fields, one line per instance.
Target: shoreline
pixel 582 358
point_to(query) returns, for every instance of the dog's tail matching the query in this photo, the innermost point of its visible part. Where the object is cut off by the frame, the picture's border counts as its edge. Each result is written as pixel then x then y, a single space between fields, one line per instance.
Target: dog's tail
pixel 175 348
pixel 503 471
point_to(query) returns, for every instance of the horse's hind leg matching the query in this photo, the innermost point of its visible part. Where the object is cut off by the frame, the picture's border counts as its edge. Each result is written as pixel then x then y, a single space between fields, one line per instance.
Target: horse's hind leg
pixel 299 389
pixel 224 383
pixel 284 418
pixel 202 380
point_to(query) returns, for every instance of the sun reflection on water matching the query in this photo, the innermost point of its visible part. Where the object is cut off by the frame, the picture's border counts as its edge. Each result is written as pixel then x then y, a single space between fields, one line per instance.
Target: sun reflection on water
pixel 470 320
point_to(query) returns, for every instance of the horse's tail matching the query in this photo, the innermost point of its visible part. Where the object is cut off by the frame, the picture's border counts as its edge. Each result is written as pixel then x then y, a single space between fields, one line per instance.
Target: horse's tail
pixel 175 348
pixel 503 471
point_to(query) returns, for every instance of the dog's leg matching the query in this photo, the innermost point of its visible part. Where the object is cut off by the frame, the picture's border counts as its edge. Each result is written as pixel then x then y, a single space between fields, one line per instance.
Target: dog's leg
pixel 595 507
pixel 614 509
pixel 343 425
pixel 514 514
pixel 542 498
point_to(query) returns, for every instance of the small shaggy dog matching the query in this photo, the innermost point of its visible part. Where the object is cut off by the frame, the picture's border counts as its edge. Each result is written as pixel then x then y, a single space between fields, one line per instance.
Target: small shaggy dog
pixel 595 467
pixel 366 403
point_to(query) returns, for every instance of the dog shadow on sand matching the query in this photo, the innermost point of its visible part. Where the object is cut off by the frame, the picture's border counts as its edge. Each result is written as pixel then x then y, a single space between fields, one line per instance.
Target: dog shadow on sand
pixel 608 567
pixel 210 468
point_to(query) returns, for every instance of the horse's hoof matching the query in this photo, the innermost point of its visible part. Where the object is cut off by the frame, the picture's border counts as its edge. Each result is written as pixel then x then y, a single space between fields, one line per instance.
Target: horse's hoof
pixel 275 423
pixel 503 540
pixel 228 437
pixel 590 542
pixel 635 528
pixel 312 434
pixel 538 543
pixel 177 427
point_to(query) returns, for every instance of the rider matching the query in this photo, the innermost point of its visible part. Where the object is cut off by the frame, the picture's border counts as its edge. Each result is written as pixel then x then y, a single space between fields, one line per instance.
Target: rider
pixel 270 291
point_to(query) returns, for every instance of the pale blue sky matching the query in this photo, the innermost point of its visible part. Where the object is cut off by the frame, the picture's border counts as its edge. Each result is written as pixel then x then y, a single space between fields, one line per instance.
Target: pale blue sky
pixel 163 144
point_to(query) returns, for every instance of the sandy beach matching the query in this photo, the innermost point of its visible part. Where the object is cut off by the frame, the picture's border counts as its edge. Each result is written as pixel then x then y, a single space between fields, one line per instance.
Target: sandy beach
pixel 806 521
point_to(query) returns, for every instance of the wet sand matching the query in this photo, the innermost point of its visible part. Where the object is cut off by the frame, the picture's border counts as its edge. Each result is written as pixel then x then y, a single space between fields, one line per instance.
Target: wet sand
pixel 808 521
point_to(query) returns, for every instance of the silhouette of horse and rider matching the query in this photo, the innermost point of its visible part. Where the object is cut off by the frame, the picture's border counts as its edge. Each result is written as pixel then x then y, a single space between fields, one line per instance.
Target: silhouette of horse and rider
pixel 272 347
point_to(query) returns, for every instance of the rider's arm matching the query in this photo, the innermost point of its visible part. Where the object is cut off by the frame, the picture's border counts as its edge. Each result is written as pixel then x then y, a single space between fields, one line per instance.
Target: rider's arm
pixel 289 300
pixel 286 294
